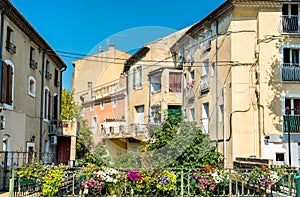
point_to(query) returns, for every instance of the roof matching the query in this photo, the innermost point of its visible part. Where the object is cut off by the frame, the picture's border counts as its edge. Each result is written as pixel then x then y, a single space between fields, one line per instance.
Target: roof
pixel 16 17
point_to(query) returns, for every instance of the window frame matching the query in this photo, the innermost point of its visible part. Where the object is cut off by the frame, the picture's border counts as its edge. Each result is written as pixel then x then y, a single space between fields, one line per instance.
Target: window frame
pixel 33 92
pixel 47 104
pixel 6 104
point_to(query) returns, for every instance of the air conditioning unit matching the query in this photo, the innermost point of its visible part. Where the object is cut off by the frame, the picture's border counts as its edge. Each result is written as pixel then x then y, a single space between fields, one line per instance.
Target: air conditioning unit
pixel 52 129
pixel 2 122
pixel 53 140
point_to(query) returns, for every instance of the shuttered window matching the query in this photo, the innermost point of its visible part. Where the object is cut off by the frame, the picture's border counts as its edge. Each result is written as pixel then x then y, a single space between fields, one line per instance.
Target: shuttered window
pixel 175 82
pixel 7 80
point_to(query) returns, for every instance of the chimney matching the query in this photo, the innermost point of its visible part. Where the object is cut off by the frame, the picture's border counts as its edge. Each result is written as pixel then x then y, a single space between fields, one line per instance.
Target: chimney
pixel 111 47
pixel 90 90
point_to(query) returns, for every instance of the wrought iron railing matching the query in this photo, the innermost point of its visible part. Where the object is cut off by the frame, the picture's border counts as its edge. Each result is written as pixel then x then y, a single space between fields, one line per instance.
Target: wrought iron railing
pixel 291 123
pixel 290 24
pixel 234 183
pixel 290 71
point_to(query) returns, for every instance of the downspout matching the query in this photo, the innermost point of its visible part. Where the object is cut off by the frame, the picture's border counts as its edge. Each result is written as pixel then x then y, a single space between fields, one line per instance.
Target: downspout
pixel 42 106
pixel 149 97
pixel 224 127
pixel 217 81
pixel 60 86
pixel 3 11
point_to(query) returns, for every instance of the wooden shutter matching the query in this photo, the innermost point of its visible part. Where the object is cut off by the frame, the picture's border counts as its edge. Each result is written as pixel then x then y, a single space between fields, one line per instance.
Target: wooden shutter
pixel 45 103
pixel 49 106
pixel 9 85
pixel 4 83
pixel 134 78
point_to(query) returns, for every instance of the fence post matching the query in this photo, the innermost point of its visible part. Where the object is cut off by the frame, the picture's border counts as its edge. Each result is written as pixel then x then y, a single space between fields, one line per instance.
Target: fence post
pixel 11 183
pixel 230 182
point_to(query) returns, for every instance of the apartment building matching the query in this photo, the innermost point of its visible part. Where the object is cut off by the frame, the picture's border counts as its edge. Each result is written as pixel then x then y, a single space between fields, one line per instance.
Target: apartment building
pixel 30 86
pixel 154 86
pixel 241 68
pixel 100 87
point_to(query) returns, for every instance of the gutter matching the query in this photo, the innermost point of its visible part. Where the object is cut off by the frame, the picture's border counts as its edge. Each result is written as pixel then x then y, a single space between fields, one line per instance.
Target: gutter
pixel 60 89
pixel 42 106
pixel 3 12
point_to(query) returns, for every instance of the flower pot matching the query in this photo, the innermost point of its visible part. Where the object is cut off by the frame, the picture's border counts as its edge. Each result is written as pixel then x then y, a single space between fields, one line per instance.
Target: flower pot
pixel 24 181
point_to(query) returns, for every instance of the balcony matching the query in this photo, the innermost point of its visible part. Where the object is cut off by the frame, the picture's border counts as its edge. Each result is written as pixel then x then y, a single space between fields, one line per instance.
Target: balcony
pixel 138 131
pixel 48 75
pixel 33 64
pixel 290 72
pixel 204 84
pixel 291 123
pixel 11 48
pixel 290 24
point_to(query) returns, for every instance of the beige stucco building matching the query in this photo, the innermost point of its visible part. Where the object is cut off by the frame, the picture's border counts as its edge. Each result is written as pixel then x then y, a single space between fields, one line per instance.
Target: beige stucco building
pixel 241 70
pixel 153 84
pixel 30 89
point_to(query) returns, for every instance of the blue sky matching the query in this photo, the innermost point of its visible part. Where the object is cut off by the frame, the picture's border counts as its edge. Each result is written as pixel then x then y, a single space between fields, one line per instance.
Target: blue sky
pixel 82 26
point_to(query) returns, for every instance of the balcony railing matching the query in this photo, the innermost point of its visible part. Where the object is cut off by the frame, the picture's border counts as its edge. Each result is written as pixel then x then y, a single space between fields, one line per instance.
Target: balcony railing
pixel 291 123
pixel 33 64
pixel 133 130
pixel 204 83
pixel 290 24
pixel 290 71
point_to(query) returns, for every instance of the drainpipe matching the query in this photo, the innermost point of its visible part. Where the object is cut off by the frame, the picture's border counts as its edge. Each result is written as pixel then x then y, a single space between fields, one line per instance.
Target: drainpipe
pixel 217 81
pixel 42 106
pixel 3 11
pixel 224 127
pixel 149 97
pixel 60 97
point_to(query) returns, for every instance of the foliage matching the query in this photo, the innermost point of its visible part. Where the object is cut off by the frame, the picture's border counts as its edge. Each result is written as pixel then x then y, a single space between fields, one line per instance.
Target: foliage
pixel 166 180
pixel 100 152
pixel 129 160
pixel 180 144
pixel 265 176
pixel 206 180
pixel 49 176
pixel 98 180
pixel 69 110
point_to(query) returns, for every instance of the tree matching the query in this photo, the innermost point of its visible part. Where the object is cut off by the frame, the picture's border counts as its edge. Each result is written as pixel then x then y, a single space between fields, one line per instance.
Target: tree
pixel 180 144
pixel 69 110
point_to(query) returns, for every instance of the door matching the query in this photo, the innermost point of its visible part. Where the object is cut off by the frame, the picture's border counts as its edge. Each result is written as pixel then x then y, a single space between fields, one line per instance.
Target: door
pixel 64 150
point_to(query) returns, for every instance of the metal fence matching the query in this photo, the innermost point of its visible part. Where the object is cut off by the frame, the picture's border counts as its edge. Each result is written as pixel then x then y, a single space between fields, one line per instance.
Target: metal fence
pixel 12 159
pixel 235 185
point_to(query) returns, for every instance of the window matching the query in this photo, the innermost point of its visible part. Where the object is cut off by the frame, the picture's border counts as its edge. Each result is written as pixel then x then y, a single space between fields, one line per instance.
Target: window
pixel 114 103
pixel 32 63
pixel 55 114
pixel 292 106
pixel 47 103
pixel 175 82
pixel 31 86
pixel 94 124
pixel 290 65
pixel 155 83
pixel 92 107
pixel 279 156
pixel 137 77
pixel 204 79
pixel 48 75
pixel 192 115
pixel 10 47
pixel 290 18
pixel 102 129
pixel 56 81
pixel 101 105
pixel 111 130
pixel 205 118
pixel 139 114
pixel 192 75
pixel 7 84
